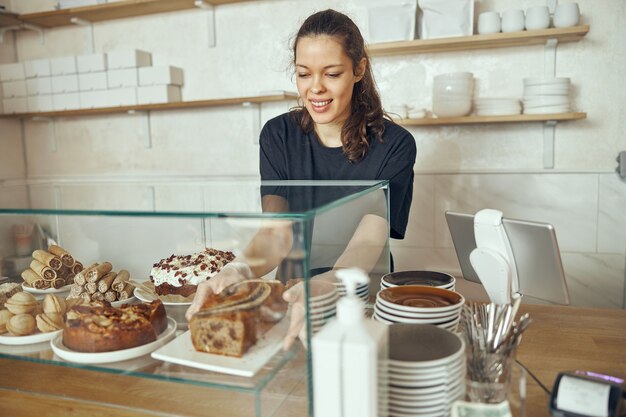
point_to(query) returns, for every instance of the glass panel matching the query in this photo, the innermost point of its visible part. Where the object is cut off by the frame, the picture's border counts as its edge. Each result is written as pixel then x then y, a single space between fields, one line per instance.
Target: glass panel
pixel 295 232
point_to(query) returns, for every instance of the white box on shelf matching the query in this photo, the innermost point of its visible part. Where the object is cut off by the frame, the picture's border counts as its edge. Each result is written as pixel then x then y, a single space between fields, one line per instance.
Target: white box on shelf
pixel 128 58
pixel 37 68
pixel 158 94
pixel 63 65
pixel 123 78
pixel 162 75
pixel 121 97
pixel 68 101
pixel 15 105
pixel 68 4
pixel 92 81
pixel 12 72
pixel 93 99
pixel 91 63
pixel 40 103
pixel 40 85
pixel 65 84
pixel 12 89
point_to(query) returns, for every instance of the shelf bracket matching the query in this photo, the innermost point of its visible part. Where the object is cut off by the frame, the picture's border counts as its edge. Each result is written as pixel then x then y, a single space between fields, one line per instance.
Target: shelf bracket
pixel 146 127
pixel 549 63
pixel 52 131
pixel 548 143
pixel 28 26
pixel 90 35
pixel 210 10
pixel 255 115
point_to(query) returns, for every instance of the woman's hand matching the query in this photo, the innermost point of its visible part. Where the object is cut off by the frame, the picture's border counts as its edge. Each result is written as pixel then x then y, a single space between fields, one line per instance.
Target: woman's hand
pixel 224 278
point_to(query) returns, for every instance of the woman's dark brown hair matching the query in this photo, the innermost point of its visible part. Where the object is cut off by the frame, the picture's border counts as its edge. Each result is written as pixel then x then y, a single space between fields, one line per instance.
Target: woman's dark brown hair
pixel 366 115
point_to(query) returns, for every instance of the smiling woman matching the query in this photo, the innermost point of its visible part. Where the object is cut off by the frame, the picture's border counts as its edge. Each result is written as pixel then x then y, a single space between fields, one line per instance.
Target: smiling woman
pixel 339 132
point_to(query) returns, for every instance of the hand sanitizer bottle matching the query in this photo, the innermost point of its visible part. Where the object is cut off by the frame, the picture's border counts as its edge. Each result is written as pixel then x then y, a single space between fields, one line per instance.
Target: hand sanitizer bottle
pixel 350 358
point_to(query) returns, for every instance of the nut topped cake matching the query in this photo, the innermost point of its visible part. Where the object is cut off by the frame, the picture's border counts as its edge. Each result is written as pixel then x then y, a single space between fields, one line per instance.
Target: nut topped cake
pixel 181 274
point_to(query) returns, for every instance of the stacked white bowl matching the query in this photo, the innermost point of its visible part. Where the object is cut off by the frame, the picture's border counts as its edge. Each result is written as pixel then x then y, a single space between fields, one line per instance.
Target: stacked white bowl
pixel 426 370
pixel 496 106
pixel 419 277
pixel 452 94
pixel 323 298
pixel 547 95
pixel 419 304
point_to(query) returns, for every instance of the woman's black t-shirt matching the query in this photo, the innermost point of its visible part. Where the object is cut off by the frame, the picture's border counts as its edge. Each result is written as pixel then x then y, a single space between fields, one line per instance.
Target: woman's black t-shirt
pixel 289 153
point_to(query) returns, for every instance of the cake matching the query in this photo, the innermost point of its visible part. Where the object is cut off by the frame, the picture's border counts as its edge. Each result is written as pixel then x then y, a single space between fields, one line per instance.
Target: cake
pixel 181 274
pixel 99 327
pixel 231 322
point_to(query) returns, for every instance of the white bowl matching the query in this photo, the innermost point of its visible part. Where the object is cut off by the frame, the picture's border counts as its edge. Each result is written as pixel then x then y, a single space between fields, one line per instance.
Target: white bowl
pixel 547 81
pixel 546 101
pixel 451 108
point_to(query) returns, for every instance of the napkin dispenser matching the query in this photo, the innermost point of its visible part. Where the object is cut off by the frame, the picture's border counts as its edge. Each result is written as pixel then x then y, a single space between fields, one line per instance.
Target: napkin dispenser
pixel 582 395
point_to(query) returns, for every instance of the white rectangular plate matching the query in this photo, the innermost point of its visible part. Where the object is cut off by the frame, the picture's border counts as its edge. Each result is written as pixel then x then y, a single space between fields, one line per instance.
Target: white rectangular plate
pixel 182 352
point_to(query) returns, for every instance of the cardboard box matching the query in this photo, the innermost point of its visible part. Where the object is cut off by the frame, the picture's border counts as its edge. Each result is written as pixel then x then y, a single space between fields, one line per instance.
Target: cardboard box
pixel 65 84
pixel 15 105
pixel 163 75
pixel 123 78
pixel 128 58
pixel 41 85
pixel 63 65
pixel 12 89
pixel 121 97
pixel 37 68
pixel 92 81
pixel 158 94
pixel 69 101
pixel 12 72
pixel 91 63
pixel 40 103
pixel 93 99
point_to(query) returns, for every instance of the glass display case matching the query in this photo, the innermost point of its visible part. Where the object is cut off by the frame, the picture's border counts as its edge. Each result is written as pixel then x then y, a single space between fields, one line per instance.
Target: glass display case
pixel 290 232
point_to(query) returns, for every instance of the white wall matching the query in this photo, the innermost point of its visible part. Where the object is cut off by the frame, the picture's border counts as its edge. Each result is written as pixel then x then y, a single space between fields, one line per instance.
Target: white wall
pixel 463 168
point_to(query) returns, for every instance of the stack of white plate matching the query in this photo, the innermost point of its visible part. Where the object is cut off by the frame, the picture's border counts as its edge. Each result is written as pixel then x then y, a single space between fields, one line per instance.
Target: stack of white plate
pixel 419 304
pixel 426 370
pixel 452 94
pixel 494 106
pixel 422 277
pixel 323 298
pixel 547 95
pixel 362 290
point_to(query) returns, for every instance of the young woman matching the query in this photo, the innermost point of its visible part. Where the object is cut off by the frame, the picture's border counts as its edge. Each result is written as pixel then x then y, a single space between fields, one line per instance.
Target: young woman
pixel 340 132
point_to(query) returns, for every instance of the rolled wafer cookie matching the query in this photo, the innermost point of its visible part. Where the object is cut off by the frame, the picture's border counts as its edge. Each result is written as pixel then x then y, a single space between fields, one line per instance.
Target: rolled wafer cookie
pixel 30 277
pixel 66 258
pixel 76 290
pixel 97 296
pixel 91 287
pixel 110 296
pixel 47 258
pixel 81 277
pixel 120 280
pixel 85 296
pixel 98 272
pixel 126 292
pixel 43 270
pixel 105 282
pixel 77 267
pixel 58 283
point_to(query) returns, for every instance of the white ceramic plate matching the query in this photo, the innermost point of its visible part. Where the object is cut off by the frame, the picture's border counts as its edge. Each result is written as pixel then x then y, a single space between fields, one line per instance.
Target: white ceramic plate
pixel 8 339
pixel 181 351
pixel 146 298
pixel 32 290
pixel 118 355
pixel 120 303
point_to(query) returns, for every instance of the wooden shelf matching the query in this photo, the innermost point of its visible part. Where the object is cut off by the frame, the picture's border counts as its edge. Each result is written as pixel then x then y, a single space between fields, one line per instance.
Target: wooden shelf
pixel 9 19
pixel 464 43
pixel 518 118
pixel 110 11
pixel 158 107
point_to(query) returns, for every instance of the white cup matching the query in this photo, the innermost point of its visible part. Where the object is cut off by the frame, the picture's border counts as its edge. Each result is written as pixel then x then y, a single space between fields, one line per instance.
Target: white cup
pixel 488 22
pixel 537 18
pixel 513 20
pixel 566 15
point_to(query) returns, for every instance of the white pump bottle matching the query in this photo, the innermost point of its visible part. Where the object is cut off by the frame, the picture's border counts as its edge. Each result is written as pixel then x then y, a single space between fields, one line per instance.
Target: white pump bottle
pixel 350 358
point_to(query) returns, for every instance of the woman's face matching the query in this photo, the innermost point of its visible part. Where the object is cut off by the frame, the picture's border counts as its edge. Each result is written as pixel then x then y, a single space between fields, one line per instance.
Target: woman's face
pixel 325 79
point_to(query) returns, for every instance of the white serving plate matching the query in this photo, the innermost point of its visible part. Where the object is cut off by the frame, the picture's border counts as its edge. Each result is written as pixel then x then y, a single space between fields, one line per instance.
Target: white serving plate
pixel 119 355
pixel 548 110
pixel 35 291
pixel 8 339
pixel 129 300
pixel 181 351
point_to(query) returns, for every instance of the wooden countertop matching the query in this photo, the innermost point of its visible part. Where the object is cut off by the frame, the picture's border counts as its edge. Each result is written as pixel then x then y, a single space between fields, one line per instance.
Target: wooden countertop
pixel 559 339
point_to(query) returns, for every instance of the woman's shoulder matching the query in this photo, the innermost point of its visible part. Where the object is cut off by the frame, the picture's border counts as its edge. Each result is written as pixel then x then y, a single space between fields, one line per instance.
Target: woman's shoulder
pixel 280 125
pixel 397 136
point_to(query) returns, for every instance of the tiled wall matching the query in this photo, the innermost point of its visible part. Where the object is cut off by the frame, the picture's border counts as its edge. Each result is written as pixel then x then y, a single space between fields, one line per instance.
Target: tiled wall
pixel 463 168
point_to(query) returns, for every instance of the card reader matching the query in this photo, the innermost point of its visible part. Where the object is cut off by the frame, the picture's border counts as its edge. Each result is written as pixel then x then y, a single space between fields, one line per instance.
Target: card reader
pixel 583 394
